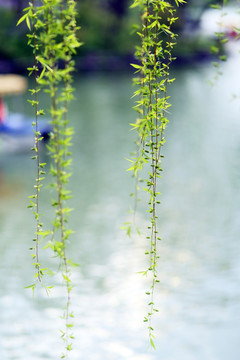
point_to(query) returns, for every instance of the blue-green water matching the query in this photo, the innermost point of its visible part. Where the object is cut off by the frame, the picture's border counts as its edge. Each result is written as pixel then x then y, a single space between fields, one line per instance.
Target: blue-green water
pixel 198 297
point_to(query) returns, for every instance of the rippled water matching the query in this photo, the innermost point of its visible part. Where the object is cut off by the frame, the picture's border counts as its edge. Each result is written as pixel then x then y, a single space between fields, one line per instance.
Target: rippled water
pixel 199 293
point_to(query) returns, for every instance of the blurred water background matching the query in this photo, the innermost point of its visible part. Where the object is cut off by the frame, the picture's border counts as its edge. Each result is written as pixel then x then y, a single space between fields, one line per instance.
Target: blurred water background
pixel 199 221
pixel 198 297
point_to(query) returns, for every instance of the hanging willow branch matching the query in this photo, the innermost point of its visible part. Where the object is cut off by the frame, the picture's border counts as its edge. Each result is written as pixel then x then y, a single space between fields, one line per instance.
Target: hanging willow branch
pixel 154 58
pixel 31 16
pixel 221 39
pixel 54 42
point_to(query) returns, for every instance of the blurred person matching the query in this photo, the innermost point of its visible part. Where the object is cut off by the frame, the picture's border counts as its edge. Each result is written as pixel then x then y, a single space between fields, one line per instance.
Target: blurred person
pixel 3 112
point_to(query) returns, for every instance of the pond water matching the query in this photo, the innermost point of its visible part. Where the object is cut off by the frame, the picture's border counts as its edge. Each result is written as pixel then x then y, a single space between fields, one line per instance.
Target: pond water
pixel 199 294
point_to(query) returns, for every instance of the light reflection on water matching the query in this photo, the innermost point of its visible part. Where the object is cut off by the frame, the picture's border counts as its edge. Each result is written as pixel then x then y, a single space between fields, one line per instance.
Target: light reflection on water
pixel 198 297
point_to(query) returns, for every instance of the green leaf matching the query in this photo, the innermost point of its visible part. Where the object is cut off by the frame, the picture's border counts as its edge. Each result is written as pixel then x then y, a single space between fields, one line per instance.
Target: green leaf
pixel 216 6
pixel 66 278
pixel 223 57
pixel 136 66
pixel 28 22
pixel 30 286
pixel 152 343
pixel 135 4
pixel 22 19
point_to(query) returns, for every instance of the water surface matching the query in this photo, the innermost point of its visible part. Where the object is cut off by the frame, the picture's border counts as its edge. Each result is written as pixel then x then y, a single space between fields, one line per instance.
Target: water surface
pixel 198 297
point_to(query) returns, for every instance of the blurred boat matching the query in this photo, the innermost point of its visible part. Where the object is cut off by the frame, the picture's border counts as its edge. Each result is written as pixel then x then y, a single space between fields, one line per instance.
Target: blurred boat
pixel 16 130
pixel 16 133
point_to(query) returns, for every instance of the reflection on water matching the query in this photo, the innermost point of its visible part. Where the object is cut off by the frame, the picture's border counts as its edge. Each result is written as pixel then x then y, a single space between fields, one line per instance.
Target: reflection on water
pixel 198 296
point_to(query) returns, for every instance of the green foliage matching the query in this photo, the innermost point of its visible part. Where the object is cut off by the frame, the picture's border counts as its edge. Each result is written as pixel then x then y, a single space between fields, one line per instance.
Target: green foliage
pixel 103 29
pixel 53 41
pixel 154 56
pixel 13 42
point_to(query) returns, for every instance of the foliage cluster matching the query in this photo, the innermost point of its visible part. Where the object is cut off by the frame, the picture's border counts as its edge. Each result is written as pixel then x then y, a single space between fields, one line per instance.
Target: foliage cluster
pixel 106 26
pixel 13 40
pixel 103 30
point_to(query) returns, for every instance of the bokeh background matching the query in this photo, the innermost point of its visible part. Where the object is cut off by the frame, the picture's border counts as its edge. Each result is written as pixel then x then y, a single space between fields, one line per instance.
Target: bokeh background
pixel 199 294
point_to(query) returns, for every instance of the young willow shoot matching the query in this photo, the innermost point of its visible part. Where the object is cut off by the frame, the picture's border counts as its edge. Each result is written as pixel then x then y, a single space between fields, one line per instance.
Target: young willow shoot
pixel 154 56
pixel 53 39
pixel 221 37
